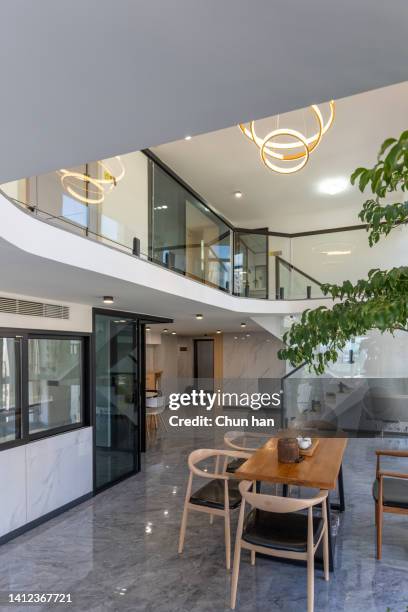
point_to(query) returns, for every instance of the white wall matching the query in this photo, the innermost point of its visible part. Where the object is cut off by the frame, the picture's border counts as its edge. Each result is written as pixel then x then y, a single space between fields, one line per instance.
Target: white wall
pixel 80 318
pixel 40 477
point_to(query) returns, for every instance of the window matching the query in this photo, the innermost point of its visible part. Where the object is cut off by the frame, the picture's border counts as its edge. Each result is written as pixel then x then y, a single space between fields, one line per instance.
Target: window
pixel 10 406
pixel 54 383
pixel 44 384
pixel 74 211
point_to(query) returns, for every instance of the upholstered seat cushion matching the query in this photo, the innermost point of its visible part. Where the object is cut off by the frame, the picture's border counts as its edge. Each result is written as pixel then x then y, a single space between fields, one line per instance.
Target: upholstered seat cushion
pixel 395 492
pixel 235 464
pixel 212 494
pixel 280 531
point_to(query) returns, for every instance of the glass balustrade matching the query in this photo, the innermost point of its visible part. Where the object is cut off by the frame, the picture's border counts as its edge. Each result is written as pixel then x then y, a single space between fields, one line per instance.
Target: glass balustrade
pixel 351 398
pixel 135 204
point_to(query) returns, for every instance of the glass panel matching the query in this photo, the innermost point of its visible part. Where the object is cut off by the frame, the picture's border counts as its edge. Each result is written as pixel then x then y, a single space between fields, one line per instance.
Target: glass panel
pixel 106 200
pixel 251 265
pixel 186 235
pixel 10 408
pixel 292 284
pixel 208 246
pixel 117 405
pixel 54 383
pixel 168 221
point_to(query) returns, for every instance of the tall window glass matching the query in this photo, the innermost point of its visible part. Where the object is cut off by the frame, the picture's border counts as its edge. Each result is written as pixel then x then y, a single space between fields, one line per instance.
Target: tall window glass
pixel 10 400
pixel 55 386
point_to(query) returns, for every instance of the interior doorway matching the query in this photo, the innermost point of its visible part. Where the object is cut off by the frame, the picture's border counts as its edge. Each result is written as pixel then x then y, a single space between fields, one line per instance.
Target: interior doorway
pixel 204 363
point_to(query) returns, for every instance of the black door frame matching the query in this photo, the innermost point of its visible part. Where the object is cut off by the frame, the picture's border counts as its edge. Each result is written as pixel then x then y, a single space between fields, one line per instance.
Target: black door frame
pixel 141 320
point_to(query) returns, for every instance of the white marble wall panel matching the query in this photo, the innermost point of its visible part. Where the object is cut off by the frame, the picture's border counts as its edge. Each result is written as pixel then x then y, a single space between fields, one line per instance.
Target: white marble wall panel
pixel 42 476
pixel 59 470
pixel 13 503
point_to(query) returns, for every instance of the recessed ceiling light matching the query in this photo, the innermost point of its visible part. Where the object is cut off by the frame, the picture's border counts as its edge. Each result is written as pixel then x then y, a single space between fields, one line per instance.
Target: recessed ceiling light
pixel 165 330
pixel 243 324
pixel 247 335
pixel 235 337
pixel 218 331
pixel 238 194
pixel 188 137
pixel 147 328
pixel 108 299
pixel 199 317
pixel 333 186
pixel 173 333
pixel 330 253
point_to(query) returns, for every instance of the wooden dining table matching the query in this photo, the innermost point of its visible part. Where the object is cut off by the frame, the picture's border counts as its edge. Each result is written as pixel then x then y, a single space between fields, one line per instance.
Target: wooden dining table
pixel 322 470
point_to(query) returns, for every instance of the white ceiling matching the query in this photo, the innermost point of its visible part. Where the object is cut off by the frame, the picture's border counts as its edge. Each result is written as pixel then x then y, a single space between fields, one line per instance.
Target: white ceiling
pixel 219 163
pixel 87 80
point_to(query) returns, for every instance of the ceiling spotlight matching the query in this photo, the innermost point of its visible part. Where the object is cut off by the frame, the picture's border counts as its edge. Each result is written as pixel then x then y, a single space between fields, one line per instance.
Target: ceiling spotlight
pixel 165 331
pixel 188 137
pixel 238 194
pixel 218 331
pixel 333 186
pixel 173 333
pixel 199 317
pixel 108 299
pixel 243 324
pixel 147 328
pixel 247 335
pixel 235 337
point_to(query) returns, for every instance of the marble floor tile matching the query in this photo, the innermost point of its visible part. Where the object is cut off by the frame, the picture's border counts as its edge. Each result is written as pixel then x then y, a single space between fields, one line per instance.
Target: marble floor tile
pixel 118 550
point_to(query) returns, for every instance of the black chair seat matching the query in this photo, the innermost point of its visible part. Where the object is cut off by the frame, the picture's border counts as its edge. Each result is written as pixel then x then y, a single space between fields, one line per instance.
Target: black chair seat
pixel 235 464
pixel 212 495
pixel 280 531
pixel 395 492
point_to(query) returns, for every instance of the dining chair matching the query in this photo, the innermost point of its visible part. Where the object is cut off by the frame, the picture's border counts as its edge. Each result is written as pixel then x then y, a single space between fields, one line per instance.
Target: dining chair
pixel 155 406
pixel 243 441
pixel 276 526
pixel 390 492
pixel 217 497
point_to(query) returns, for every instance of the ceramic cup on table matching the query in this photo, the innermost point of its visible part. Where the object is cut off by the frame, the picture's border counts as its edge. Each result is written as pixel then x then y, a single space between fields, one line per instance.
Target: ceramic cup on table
pixel 304 443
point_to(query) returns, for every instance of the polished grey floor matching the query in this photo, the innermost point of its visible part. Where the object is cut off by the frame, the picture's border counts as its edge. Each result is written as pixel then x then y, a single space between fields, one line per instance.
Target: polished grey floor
pixel 118 551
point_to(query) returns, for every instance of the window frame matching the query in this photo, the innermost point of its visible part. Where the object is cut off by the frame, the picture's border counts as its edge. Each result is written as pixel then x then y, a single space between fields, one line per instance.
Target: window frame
pixel 23 378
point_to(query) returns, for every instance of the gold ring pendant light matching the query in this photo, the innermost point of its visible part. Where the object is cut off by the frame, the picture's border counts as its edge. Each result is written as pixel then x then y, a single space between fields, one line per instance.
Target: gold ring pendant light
pixel 298 147
pixel 88 189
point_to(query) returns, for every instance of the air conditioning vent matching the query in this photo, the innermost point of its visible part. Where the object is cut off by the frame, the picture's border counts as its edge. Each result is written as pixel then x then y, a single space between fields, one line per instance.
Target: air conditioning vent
pixel 33 309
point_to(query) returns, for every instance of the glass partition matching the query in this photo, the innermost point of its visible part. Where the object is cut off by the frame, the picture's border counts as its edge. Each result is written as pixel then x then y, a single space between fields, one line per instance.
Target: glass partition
pixel 106 200
pixel 293 284
pixel 251 265
pixel 186 236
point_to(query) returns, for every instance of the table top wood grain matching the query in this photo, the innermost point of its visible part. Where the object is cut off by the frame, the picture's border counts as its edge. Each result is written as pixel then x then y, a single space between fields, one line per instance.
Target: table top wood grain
pixel 319 471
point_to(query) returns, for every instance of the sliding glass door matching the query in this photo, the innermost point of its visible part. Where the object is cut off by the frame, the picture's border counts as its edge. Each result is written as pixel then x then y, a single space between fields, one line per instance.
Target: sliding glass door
pixel 117 421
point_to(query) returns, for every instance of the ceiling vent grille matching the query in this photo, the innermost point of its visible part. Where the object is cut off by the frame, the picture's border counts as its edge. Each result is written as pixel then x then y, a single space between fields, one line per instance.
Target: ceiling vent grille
pixel 33 309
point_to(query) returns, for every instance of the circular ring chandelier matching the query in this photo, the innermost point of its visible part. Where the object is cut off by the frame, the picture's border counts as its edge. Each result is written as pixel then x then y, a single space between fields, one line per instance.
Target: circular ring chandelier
pixel 89 189
pixel 297 148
